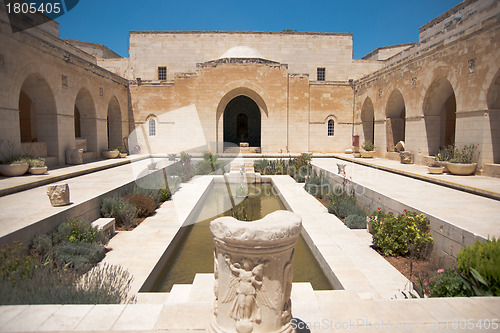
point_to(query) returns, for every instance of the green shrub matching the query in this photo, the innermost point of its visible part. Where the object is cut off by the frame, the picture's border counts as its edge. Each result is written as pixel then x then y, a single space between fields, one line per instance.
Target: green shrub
pixel 76 230
pixel 343 205
pixel 300 167
pixel 464 155
pixel 16 263
pixel 123 211
pixel 210 165
pixel 447 283
pixel 408 233
pixel 317 185
pixel 105 284
pixel 271 167
pixel 43 245
pixel 144 204
pixel 485 259
pixel 368 146
pixel 355 222
pixel 79 256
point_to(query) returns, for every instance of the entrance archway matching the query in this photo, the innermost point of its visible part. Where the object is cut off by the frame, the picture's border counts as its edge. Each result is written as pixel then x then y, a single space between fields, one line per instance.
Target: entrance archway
pixel 242 121
pixel 114 124
pixel 440 109
pixel 368 120
pixel 38 114
pixel 395 113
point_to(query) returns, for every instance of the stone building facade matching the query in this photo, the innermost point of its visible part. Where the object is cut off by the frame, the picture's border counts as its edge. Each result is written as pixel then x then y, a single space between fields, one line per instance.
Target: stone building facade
pixel 278 92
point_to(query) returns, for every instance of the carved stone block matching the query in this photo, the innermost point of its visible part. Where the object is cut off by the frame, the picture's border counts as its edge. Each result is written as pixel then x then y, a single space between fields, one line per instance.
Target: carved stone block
pixel 58 194
pixel 406 157
pixel 74 156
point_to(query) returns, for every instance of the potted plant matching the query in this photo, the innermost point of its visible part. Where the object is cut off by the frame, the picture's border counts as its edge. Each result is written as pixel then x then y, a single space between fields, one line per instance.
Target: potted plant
pixel 368 150
pixel 435 168
pixel 123 152
pixel 9 165
pixel 110 153
pixel 444 156
pixel 37 165
pixel 462 161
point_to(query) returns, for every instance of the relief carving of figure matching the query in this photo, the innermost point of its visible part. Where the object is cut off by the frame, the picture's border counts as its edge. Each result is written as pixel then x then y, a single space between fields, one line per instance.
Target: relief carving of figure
pixel 246 292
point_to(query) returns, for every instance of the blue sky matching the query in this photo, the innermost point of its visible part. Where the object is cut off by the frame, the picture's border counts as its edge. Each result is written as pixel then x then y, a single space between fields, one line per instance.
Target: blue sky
pixel 373 23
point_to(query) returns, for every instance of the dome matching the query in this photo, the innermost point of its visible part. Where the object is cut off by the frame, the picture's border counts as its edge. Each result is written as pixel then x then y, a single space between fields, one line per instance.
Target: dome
pixel 241 52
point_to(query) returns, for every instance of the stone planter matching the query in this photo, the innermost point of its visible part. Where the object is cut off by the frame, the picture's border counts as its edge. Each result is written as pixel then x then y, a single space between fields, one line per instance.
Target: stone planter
pixel 38 170
pixel 367 154
pixel 122 155
pixel 444 164
pixel 462 169
pixel 12 170
pixel 110 153
pixel 435 170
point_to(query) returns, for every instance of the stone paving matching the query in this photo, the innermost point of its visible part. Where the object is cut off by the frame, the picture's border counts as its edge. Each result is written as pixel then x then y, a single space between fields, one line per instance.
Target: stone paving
pixel 364 304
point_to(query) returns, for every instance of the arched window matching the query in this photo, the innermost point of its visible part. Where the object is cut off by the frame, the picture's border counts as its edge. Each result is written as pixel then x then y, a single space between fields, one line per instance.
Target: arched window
pixel 331 127
pixel 152 127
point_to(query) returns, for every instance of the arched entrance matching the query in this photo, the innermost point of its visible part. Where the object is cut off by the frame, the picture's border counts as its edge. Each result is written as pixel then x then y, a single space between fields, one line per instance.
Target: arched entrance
pixel 38 114
pixel 440 109
pixel 85 110
pixel 114 124
pixel 395 113
pixel 494 115
pixel 242 121
pixel 368 121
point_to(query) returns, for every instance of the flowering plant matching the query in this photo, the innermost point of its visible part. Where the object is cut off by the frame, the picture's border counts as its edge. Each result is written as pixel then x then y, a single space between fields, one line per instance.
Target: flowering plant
pixel 464 155
pixel 407 233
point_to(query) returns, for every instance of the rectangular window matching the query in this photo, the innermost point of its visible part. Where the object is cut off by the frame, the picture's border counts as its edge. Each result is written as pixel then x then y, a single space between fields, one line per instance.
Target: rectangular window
pixel 321 73
pixel 162 73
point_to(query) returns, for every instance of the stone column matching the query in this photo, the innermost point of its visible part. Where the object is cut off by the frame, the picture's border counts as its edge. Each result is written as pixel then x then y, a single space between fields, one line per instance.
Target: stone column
pixel 253 273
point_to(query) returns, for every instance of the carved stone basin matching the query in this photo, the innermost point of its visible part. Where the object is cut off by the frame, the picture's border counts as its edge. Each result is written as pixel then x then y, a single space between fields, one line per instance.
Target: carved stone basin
pixel 253 273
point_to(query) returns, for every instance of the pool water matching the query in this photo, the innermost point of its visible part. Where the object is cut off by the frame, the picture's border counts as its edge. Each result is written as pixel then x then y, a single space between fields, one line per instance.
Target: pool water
pixel 194 254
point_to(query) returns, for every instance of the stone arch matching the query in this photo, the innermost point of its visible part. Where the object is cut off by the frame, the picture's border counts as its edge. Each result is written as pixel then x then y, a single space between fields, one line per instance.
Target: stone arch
pixel 242 121
pixel 493 100
pixel 395 113
pixel 439 110
pixel 114 124
pixel 38 114
pixel 84 104
pixel 368 120
pixel 226 99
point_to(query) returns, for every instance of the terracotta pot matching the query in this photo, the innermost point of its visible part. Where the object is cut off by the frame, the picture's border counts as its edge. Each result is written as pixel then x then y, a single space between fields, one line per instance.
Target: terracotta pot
pixel 435 170
pixel 462 169
pixel 367 154
pixel 12 170
pixel 38 170
pixel 110 153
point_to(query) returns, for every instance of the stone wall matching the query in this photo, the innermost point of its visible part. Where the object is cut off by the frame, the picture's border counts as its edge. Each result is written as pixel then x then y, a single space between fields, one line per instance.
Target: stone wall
pixel 180 51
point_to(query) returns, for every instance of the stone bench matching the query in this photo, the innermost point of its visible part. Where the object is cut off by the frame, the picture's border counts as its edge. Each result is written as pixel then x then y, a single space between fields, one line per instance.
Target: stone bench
pixel 105 225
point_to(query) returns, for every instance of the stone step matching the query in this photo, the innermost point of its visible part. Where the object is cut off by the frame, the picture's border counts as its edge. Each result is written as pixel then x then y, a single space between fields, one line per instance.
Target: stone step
pixel 179 294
